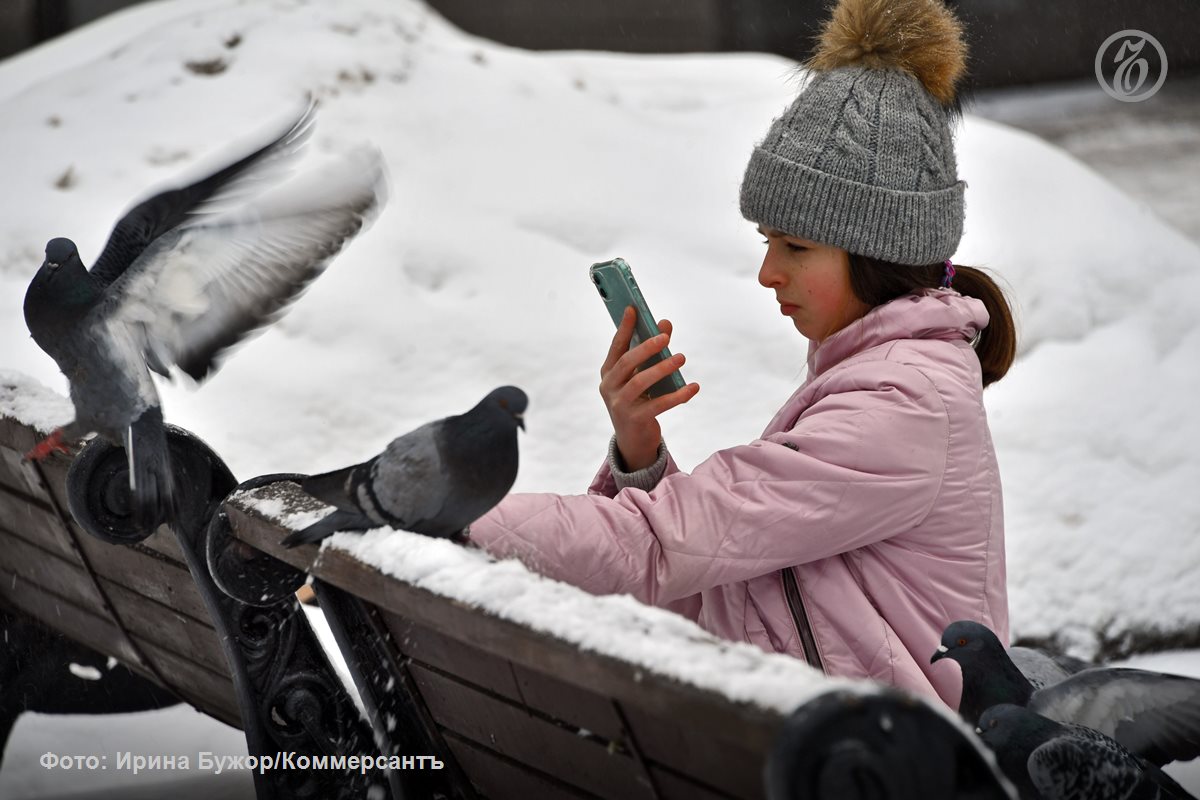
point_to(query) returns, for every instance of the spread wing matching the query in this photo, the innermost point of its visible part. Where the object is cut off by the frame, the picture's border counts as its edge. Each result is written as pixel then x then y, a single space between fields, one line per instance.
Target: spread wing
pixel 206 284
pixel 167 210
pixel 1155 716
pixel 409 483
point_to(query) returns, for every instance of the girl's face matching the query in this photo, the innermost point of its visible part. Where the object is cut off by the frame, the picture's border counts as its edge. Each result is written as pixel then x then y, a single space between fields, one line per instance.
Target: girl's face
pixel 811 282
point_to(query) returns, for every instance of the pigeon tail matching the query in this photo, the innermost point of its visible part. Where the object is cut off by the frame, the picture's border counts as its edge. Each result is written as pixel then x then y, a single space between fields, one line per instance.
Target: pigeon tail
pixel 150 480
pixel 333 488
pixel 337 521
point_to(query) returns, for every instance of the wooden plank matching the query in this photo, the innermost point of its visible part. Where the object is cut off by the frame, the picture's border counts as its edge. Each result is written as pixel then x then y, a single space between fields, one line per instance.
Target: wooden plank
pixel 499 778
pixel 674 786
pixel 721 764
pixel 20 476
pixel 27 564
pixel 35 523
pixel 146 572
pixel 468 663
pixel 740 725
pixel 208 691
pixel 24 566
pixel 188 637
pixel 539 691
pixel 513 732
pixel 571 703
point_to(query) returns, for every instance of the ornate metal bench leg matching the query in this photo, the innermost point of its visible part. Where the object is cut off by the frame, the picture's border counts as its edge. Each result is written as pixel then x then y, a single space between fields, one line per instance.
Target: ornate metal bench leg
pixel 291 700
pixel 860 747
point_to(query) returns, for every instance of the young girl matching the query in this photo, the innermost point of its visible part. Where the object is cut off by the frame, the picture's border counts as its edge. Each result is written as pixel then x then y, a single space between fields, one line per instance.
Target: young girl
pixel 868 514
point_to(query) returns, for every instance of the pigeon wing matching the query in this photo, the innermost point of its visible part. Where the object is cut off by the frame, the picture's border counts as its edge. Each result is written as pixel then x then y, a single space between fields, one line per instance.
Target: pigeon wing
pixel 1154 715
pixel 204 286
pixel 1074 768
pixel 167 210
pixel 1038 668
pixel 409 482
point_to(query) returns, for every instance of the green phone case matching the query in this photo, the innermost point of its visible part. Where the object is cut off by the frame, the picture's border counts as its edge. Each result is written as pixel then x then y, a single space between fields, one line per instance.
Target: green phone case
pixel 614 280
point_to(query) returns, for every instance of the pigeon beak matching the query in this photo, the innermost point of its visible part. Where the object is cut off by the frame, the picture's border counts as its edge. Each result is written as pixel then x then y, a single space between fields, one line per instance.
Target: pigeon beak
pixel 520 418
pixel 940 654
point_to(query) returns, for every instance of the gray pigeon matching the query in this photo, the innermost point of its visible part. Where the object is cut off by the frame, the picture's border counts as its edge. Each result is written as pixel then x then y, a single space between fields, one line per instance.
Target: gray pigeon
pixel 1156 716
pixel 435 480
pixel 1047 760
pixel 185 275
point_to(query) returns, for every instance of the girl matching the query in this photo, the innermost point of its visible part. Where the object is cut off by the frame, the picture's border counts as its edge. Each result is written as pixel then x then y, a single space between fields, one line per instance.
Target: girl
pixel 868 514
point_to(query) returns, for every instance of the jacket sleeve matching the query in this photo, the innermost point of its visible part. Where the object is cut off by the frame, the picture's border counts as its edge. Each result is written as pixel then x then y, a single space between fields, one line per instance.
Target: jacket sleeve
pixel 864 462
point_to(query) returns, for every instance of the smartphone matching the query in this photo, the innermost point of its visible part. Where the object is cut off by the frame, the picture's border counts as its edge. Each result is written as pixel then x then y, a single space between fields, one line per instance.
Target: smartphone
pixel 614 280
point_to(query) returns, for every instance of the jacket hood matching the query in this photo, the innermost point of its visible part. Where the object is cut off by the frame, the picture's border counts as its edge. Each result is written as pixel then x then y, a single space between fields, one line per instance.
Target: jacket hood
pixel 941 314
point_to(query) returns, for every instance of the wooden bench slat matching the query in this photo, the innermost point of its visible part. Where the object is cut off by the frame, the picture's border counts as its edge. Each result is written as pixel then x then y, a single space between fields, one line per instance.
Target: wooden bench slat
pixel 146 572
pixel 32 565
pixel 148 621
pixel 537 690
pixel 35 523
pixel 721 764
pixel 498 778
pixel 511 731
pixel 20 476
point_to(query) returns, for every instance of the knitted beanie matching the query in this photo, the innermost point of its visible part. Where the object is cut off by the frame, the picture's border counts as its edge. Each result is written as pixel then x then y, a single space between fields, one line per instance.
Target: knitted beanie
pixel 863 158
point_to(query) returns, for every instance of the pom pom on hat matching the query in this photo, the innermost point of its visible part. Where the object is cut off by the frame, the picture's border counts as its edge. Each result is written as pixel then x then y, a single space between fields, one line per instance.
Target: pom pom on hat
pixel 921 37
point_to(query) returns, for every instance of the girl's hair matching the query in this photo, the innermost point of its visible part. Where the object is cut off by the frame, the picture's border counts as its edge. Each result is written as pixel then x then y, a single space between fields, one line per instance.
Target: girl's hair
pixel 876 282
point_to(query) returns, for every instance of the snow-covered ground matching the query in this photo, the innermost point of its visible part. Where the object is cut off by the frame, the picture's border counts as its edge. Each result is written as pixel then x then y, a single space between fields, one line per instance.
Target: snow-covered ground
pixel 511 173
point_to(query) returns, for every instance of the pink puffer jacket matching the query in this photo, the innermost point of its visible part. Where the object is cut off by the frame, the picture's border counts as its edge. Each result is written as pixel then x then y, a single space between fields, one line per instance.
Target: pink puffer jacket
pixel 866 517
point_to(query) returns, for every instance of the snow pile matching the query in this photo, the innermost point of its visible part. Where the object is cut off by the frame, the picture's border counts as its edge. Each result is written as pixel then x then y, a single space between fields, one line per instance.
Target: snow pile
pixel 514 171
pixel 28 401
pixel 616 626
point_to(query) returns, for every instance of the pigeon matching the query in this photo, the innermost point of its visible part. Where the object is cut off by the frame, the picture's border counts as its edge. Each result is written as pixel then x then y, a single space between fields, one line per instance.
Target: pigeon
pixel 435 480
pixel 1154 715
pixel 1047 760
pixel 185 275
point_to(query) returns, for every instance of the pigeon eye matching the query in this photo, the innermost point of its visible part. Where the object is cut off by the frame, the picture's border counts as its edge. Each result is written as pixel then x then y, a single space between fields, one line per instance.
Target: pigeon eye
pixel 962 642
pixel 503 403
pixel 992 724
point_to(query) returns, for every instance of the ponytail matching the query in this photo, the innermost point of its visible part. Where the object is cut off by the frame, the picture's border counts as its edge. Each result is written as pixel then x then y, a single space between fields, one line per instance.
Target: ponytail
pixel 876 282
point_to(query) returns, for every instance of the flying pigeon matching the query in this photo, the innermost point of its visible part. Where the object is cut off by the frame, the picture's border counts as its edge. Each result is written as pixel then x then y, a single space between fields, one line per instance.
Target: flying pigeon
pixel 184 276
pixel 1047 760
pixel 435 480
pixel 1154 715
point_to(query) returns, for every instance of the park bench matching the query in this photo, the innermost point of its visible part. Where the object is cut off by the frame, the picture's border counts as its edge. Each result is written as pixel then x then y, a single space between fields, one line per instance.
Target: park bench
pixel 473 677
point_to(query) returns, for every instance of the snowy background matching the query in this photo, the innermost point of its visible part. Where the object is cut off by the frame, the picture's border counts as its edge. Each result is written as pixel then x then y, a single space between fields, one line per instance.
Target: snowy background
pixel 511 172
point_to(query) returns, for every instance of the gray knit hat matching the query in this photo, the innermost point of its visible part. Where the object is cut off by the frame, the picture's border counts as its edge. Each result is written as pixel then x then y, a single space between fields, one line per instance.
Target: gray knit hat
pixel 863 159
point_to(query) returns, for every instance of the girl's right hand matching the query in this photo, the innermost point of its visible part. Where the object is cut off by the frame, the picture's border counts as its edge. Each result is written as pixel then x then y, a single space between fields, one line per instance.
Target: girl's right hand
pixel 623 388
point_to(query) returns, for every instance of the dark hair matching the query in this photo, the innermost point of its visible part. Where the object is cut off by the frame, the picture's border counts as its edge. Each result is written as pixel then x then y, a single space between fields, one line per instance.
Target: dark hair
pixel 875 282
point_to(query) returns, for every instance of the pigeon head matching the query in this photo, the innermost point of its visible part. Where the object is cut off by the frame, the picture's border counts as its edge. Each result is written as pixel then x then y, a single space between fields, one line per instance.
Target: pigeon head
pixel 510 401
pixel 1011 726
pixel 59 252
pixel 968 642
pixel 61 290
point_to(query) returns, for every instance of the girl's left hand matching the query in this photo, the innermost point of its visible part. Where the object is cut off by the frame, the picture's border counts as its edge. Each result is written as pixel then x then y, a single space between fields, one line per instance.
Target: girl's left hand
pixel 623 388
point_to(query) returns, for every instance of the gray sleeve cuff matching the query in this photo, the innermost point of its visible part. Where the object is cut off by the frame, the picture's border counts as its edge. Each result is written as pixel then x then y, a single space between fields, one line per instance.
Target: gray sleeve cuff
pixel 644 479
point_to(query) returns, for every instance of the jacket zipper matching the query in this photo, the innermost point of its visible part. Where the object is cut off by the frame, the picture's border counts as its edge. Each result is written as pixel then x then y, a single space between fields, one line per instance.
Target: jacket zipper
pixel 791 592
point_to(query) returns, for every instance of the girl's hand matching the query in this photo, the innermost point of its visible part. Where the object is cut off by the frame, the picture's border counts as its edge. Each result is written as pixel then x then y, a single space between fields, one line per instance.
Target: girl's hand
pixel 633 414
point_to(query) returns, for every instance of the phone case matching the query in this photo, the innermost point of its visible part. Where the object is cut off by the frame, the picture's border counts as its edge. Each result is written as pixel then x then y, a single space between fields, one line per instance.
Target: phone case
pixel 617 287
